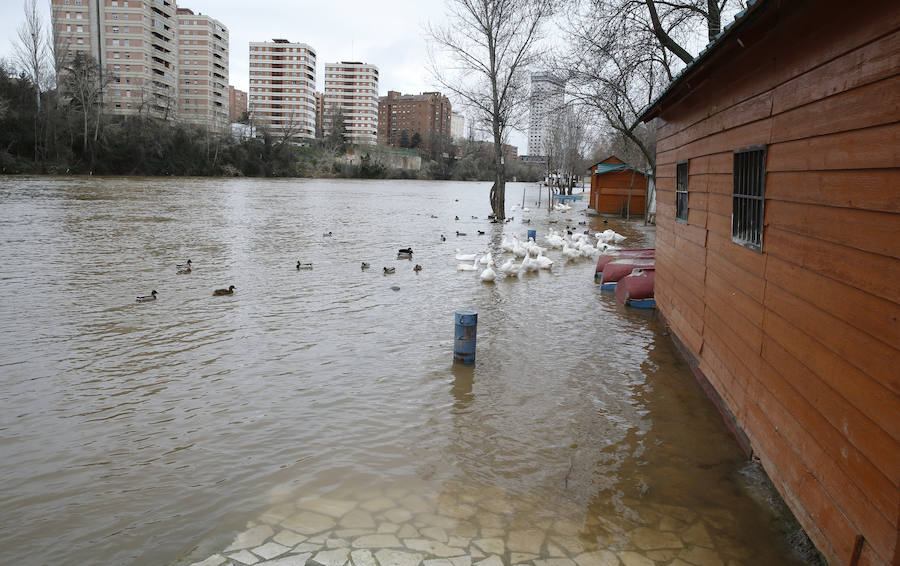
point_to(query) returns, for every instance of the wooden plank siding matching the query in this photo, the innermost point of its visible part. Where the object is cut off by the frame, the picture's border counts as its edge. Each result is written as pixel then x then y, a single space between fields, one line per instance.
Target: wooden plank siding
pixel 800 341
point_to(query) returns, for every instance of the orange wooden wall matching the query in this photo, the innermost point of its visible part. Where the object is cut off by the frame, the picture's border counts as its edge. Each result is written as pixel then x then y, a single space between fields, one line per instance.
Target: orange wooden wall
pixel 609 191
pixel 800 341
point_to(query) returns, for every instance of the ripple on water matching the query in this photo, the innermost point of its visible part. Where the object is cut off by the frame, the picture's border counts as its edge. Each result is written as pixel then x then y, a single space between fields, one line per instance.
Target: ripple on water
pixel 152 432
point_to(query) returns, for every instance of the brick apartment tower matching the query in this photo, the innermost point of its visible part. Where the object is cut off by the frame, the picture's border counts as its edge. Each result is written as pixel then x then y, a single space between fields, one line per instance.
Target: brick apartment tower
pixel 134 41
pixel 320 114
pixel 203 96
pixel 427 114
pixel 283 88
pixel 237 103
pixel 352 89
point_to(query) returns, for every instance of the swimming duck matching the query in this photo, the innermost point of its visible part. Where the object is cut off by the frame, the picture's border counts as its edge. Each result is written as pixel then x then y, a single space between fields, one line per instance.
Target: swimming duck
pixel 147 298
pixel 434 216
pixel 443 238
pixel 228 291
pixel 388 270
pixel 365 265
pixel 327 234
pixel 457 218
pixel 458 233
pixel 183 271
pixel 404 253
pixel 481 232
pixel 304 265
pixel 417 268
pixel 185 265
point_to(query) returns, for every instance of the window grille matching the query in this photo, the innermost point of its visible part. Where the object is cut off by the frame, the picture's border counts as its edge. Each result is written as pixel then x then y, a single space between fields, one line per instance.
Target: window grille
pixel 748 197
pixel 681 191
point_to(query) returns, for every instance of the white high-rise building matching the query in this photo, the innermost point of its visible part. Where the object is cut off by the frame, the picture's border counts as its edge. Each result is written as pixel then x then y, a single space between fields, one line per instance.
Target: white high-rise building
pixel 457 126
pixel 283 88
pixel 351 88
pixel 547 97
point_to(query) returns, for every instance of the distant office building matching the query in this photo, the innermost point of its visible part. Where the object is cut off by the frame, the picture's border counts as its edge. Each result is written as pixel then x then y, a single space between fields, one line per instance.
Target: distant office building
pixel 402 116
pixel 547 96
pixel 133 41
pixel 203 95
pixel 457 126
pixel 237 103
pixel 351 89
pixel 282 88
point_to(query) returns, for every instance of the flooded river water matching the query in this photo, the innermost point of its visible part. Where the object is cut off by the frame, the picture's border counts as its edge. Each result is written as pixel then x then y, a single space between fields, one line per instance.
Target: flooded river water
pixel 316 414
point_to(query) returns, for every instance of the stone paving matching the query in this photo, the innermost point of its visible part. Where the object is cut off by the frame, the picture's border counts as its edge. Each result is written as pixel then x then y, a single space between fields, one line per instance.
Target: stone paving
pixel 476 527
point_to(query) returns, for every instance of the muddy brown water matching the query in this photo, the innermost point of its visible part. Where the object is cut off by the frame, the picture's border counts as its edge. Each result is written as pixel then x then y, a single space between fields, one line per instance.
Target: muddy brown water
pixel 155 433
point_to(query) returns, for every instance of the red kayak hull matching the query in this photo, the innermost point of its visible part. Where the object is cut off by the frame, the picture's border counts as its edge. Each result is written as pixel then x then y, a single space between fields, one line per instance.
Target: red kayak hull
pixel 636 286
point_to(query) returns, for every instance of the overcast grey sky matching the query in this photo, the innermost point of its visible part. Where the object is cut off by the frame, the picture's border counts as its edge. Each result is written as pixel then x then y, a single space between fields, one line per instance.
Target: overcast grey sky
pixel 385 33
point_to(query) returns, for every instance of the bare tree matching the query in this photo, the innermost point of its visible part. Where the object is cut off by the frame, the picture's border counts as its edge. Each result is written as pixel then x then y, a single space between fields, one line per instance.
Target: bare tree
pixel 489 45
pixel 85 84
pixel 566 144
pixel 623 53
pixel 30 53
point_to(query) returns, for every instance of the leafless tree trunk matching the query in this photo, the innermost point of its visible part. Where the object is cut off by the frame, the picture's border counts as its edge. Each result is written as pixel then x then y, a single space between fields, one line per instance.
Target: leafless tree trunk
pixel 30 52
pixel 487 45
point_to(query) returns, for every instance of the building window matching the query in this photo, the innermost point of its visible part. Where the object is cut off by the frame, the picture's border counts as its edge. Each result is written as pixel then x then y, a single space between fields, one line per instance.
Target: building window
pixel 681 192
pixel 748 197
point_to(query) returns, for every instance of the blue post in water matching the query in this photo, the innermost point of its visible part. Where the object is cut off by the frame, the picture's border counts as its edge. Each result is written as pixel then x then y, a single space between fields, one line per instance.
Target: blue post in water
pixel 532 235
pixel 465 327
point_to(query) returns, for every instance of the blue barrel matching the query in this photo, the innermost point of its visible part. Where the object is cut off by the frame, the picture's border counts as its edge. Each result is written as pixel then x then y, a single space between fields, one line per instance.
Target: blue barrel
pixel 532 235
pixel 465 327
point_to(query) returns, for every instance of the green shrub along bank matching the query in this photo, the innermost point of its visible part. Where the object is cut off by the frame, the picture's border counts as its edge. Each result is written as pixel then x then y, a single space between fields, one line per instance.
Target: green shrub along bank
pixel 66 137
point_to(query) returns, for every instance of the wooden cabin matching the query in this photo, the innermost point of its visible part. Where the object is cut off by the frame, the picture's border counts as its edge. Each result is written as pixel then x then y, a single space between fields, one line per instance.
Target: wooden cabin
pixel 611 183
pixel 778 238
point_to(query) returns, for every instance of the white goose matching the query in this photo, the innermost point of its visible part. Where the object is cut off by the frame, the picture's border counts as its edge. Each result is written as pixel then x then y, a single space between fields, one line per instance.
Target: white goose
pixel 468 267
pixel 488 275
pixel 510 268
pixel 464 257
pixel 486 259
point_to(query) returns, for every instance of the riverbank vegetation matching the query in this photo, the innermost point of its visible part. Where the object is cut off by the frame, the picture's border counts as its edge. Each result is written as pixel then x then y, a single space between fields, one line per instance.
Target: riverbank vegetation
pixel 63 136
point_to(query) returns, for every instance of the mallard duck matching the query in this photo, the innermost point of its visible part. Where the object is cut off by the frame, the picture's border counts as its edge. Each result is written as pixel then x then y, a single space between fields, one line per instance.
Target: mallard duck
pixel 417 268
pixel 388 270
pixel 304 265
pixel 147 298
pixel 183 271
pixel 481 232
pixel 327 234
pixel 405 251
pixel 185 265
pixel 365 265
pixel 228 291
pixel 458 233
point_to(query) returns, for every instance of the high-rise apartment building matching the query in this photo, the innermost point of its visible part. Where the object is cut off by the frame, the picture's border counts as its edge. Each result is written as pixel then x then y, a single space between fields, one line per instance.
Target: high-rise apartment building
pixel 135 44
pixel 457 126
pixel 203 96
pixel 547 98
pixel 283 87
pixel 351 89
pixel 320 114
pixel 401 116
pixel 237 103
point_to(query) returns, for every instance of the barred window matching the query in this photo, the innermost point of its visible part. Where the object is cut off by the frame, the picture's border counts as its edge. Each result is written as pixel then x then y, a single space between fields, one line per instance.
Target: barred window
pixel 681 191
pixel 748 197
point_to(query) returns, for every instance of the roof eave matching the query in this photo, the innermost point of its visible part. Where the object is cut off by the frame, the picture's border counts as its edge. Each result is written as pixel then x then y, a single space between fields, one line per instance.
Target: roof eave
pixel 741 20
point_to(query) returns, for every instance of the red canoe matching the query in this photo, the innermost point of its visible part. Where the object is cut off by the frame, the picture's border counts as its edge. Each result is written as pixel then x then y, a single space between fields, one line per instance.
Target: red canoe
pixel 619 268
pixel 607 257
pixel 636 288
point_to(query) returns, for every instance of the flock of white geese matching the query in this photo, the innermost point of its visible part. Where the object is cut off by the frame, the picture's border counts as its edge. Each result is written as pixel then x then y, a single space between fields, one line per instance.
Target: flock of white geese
pixel 529 256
